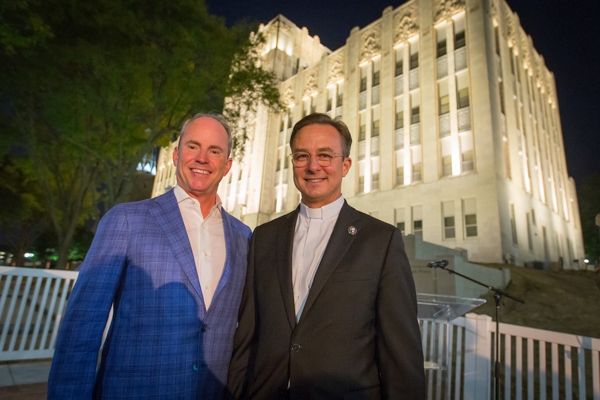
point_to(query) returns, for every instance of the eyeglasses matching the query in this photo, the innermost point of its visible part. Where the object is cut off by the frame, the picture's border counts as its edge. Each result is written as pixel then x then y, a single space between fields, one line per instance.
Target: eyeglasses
pixel 323 159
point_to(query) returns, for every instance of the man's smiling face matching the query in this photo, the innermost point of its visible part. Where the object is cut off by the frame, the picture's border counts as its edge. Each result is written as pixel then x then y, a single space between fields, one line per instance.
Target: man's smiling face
pixel 320 185
pixel 202 158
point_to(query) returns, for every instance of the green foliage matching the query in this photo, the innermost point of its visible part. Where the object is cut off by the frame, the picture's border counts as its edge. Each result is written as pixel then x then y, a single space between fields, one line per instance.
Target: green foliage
pixel 88 88
pixel 243 99
pixel 20 26
pixel 21 209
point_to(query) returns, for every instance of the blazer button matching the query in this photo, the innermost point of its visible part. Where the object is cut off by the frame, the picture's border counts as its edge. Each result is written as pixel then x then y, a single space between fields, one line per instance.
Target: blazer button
pixel 195 367
pixel 204 327
pixel 296 347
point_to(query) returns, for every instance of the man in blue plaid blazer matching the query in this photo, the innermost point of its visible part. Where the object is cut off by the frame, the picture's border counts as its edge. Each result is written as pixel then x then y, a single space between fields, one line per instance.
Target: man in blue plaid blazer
pixel 165 342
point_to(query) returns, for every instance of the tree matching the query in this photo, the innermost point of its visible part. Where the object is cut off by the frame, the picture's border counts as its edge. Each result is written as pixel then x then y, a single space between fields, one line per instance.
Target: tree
pixel 21 211
pixel 242 99
pixel 116 78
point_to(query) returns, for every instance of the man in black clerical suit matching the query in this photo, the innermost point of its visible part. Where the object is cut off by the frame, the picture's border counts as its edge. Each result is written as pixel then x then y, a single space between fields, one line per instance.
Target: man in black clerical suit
pixel 329 306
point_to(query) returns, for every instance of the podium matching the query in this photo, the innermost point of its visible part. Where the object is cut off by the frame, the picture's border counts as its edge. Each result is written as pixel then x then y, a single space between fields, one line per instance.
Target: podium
pixel 436 312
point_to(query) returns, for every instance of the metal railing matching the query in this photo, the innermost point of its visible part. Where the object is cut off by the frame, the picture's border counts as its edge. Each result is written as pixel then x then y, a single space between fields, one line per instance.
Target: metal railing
pixel 534 363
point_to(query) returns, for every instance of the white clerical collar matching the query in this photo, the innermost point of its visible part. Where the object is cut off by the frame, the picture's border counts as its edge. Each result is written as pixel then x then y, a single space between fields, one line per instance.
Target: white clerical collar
pixel 327 211
pixel 181 195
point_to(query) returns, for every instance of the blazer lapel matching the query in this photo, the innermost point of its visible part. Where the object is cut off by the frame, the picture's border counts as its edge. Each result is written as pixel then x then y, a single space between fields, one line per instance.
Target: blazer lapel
pixel 285 246
pixel 338 245
pixel 168 217
pixel 227 268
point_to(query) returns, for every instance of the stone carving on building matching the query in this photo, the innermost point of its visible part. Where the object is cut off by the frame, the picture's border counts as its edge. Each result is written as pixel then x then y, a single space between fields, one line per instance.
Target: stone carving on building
pixel 406 22
pixel 285 28
pixel 335 67
pixel 311 84
pixel 494 11
pixel 370 42
pixel 445 9
pixel 510 25
pixel 526 51
pixel 288 90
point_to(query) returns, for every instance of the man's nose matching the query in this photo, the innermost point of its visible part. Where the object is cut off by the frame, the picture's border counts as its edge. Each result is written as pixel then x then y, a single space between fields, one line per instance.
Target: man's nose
pixel 201 157
pixel 313 165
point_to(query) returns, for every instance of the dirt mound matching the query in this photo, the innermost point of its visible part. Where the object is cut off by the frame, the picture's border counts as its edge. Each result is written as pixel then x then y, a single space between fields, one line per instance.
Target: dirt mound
pixel 561 301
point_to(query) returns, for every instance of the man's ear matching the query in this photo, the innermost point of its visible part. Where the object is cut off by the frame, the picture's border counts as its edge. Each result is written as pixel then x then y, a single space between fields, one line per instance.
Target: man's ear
pixel 346 166
pixel 175 156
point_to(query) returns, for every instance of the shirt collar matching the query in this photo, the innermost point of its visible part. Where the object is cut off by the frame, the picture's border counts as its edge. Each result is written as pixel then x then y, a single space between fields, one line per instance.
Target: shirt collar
pixel 327 211
pixel 181 196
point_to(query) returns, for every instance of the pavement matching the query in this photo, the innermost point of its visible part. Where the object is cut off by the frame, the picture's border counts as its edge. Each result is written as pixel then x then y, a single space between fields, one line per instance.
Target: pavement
pixel 24 380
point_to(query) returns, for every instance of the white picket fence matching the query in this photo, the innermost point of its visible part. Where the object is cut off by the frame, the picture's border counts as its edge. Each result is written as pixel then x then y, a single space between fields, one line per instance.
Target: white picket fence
pixel 32 304
pixel 535 364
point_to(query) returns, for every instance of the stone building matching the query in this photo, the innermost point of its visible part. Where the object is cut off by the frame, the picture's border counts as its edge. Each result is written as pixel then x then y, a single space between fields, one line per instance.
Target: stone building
pixel 456 131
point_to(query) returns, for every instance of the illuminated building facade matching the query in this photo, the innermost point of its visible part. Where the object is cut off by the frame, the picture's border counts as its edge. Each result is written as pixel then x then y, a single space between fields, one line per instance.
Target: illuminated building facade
pixel 456 131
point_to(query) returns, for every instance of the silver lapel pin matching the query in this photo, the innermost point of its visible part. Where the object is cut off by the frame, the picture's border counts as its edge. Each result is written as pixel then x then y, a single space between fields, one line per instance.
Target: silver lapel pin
pixel 352 230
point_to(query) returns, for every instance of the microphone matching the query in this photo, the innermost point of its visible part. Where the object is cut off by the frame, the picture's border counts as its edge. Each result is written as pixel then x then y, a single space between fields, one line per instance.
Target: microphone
pixel 438 264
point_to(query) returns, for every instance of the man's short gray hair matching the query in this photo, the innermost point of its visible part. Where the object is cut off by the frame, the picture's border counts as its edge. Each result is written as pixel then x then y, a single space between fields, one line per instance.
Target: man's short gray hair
pixel 217 117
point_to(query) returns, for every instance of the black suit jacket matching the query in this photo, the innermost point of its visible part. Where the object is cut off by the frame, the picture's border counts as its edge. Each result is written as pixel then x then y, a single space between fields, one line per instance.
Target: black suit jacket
pixel 358 336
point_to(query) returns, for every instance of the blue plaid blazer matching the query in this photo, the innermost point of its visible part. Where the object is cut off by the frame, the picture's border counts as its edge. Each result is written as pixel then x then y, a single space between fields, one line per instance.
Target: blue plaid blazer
pixel 163 343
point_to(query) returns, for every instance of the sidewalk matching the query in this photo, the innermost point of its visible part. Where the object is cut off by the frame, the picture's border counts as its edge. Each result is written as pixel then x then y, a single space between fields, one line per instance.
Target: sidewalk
pixel 24 380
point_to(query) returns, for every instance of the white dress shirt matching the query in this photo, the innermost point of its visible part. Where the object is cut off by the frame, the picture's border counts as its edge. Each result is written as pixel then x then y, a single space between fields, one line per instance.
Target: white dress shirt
pixel 207 238
pixel 313 230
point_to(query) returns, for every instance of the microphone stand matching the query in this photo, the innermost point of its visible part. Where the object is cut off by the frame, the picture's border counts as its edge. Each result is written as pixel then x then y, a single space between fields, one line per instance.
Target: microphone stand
pixel 498 294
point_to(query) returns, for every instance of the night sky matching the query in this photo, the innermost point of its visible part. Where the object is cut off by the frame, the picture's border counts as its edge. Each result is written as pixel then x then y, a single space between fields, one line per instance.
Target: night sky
pixel 562 31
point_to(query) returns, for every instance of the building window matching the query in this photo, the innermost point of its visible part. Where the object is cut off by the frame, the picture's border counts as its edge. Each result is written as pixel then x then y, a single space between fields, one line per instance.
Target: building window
pixel 414 56
pixel 376 72
pixel 415 116
pixel 375 182
pixel 399 117
pixel 441 42
pixel 399 62
pixel 466 147
pixel 449 223
pixel 459 33
pixel 447 165
pixel 512 62
pixel 470 213
pixel 400 219
pixel 417 171
pixel 340 95
pixel 400 167
pixel 417 217
pixel 375 173
pixel 513 225
pixel 361 176
pixel 497 38
pixel 330 98
pixel 361 184
pixel 400 175
pixel 363 78
pixel 375 127
pixel 462 89
pixel 467 160
pixel 446 157
pixel 362 131
pixel 444 98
